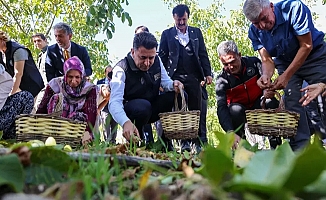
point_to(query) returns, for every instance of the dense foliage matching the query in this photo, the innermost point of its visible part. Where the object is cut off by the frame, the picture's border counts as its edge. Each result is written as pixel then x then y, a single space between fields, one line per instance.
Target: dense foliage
pixel 23 18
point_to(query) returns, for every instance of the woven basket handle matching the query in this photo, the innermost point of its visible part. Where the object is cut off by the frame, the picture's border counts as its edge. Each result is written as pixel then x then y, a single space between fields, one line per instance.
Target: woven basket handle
pixel 176 106
pixel 281 105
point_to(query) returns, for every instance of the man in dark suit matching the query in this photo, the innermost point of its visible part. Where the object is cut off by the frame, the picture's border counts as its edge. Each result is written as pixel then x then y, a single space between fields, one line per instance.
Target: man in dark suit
pixel 62 50
pixel 183 53
pixel 110 126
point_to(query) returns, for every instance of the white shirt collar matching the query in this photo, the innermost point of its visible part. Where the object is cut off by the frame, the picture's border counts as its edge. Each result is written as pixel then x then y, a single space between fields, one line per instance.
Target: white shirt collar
pixel 69 48
pixel 183 37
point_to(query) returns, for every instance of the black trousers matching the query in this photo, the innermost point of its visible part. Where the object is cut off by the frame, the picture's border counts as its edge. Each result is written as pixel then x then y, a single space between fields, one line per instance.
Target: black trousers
pixel 142 111
pixel 202 122
pixel 194 90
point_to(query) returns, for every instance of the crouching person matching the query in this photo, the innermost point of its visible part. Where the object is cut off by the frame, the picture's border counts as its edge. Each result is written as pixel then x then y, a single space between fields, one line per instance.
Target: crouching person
pixel 71 96
pixel 13 105
pixel 136 79
pixel 237 90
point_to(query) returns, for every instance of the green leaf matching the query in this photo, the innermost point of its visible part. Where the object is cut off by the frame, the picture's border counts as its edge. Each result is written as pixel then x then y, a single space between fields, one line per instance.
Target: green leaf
pixel 128 18
pixel 316 189
pixel 247 145
pixel 311 163
pixel 225 142
pixel 54 158
pixel 217 165
pixel 1 134
pixel 267 171
pixel 39 174
pixel 11 172
pixel 92 10
pixel 123 17
pixel 186 155
pixel 108 34
pixel 167 180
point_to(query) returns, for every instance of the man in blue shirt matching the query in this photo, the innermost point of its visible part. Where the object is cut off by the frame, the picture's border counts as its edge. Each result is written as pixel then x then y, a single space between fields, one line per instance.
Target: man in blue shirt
pixel 286 39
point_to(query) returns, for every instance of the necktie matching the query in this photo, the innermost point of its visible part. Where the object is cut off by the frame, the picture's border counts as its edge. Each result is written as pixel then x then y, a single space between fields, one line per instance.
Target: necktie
pixel 65 54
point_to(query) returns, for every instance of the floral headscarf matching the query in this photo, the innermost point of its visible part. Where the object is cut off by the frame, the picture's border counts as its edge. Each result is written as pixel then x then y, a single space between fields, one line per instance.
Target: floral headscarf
pixel 74 98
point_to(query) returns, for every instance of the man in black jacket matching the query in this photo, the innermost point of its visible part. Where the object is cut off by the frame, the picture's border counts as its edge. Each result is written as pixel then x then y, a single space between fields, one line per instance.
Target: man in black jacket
pixel 19 63
pixel 237 90
pixel 62 50
pixel 136 79
pixel 184 56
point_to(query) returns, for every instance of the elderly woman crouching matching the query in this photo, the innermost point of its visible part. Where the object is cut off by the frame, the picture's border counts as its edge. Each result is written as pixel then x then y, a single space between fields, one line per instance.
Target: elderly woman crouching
pixel 71 96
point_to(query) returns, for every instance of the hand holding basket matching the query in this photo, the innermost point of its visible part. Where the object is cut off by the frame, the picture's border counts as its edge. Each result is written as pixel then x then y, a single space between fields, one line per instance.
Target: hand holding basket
pixel 273 122
pixel 180 124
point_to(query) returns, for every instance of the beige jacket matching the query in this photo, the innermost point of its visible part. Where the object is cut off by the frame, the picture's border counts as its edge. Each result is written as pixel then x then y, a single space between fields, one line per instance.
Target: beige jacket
pixel 6 84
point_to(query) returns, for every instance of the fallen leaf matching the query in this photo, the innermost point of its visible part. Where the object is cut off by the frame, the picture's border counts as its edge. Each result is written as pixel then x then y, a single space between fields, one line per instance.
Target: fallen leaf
pixel 130 173
pixel 187 170
pixel 24 155
pixel 242 157
pixel 144 179
pixel 70 190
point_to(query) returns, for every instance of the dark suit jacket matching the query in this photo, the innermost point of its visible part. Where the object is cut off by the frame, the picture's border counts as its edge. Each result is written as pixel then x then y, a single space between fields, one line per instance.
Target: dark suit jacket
pixel 101 81
pixel 169 50
pixel 54 60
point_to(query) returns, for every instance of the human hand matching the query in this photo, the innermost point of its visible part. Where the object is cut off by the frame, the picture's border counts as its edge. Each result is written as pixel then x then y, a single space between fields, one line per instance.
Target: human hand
pixel 209 80
pixel 130 131
pixel 176 85
pixel 268 94
pixel 87 138
pixel 202 83
pixel 280 82
pixel 311 92
pixel 264 82
pixel 236 142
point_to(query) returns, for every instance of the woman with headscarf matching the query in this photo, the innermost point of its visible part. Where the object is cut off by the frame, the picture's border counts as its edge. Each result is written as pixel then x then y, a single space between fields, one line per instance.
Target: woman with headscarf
pixel 13 105
pixel 71 96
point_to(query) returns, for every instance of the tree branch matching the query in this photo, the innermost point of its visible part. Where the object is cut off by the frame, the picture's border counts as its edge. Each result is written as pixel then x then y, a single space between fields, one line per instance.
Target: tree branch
pixel 16 20
pixel 48 31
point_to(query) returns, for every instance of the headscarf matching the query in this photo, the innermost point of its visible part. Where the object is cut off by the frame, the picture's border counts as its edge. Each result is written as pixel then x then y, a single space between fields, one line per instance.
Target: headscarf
pixel 74 98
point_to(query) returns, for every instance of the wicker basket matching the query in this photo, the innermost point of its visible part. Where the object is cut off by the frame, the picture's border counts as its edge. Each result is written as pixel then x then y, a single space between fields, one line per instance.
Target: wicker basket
pixel 40 127
pixel 180 124
pixel 273 122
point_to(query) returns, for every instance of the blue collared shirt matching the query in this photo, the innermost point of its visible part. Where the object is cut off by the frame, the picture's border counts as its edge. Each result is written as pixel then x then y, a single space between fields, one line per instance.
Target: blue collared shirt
pixel 292 18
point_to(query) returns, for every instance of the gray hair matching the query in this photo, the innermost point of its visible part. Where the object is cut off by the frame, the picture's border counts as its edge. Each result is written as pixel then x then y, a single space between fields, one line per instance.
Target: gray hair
pixel 226 47
pixel 63 26
pixel 252 8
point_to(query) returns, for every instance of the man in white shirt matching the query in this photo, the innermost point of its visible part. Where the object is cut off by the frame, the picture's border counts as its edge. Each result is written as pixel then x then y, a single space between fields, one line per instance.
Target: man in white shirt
pixel 136 79
pixel 41 43
pixel 184 55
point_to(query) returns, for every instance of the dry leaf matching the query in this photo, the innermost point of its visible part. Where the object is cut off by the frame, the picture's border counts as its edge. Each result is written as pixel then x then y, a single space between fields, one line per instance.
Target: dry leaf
pixel 71 190
pixel 130 173
pixel 144 179
pixel 24 155
pixel 242 157
pixel 187 170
